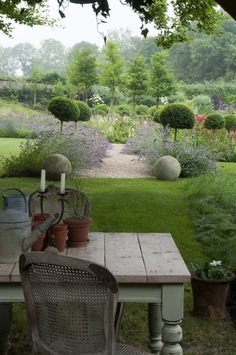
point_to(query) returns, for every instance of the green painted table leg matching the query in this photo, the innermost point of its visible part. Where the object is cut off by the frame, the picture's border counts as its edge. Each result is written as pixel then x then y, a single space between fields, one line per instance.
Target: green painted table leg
pixel 154 324
pixel 172 315
pixel 5 327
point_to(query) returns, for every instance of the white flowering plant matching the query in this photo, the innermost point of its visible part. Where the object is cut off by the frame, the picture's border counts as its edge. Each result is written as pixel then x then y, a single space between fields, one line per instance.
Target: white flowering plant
pixel 215 269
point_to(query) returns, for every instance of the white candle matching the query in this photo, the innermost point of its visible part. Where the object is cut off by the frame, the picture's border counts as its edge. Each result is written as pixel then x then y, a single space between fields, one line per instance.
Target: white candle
pixel 63 178
pixel 42 181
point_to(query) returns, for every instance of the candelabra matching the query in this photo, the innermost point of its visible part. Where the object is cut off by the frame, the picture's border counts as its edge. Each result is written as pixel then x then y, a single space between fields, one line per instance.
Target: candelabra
pixel 61 201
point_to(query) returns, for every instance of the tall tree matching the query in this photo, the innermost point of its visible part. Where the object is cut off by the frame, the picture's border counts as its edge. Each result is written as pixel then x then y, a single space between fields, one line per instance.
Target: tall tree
pixel 206 57
pixel 82 72
pixel 8 64
pixel 51 56
pixel 79 47
pixel 161 80
pixel 24 54
pixel 137 79
pixel 112 69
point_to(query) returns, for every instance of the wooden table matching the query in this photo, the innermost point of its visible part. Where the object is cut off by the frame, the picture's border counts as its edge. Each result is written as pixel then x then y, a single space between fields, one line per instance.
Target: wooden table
pixel 148 268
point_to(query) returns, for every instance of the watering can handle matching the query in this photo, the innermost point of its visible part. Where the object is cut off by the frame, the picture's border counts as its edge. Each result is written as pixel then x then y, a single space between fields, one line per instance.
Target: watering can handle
pixel 22 193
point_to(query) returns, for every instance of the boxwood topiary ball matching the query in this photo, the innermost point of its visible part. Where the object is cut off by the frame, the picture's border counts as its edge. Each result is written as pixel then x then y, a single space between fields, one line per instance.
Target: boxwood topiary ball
pixel 167 168
pixel 55 165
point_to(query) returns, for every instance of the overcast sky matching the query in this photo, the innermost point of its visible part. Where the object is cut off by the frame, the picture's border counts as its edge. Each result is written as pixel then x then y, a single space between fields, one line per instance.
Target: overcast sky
pixel 79 25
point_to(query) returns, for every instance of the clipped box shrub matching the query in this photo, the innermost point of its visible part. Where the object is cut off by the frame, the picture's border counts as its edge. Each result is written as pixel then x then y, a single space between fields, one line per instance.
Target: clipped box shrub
pixel 177 116
pixel 230 122
pixel 64 109
pixel 214 121
pixel 84 111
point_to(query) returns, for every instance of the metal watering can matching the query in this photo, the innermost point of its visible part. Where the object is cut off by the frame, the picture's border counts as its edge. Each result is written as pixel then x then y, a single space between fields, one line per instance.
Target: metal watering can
pixel 16 236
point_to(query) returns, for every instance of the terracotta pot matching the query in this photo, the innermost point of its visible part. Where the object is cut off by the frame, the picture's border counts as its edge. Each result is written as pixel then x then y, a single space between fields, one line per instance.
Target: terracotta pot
pixel 78 231
pixel 209 297
pixel 60 233
pixel 40 217
pixel 39 244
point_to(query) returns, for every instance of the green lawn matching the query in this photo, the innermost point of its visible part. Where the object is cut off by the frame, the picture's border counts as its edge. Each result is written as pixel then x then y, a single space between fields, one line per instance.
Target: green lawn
pixel 145 205
pixel 9 146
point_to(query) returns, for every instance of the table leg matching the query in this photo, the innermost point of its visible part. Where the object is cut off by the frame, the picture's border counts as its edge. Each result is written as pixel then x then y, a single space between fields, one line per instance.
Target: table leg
pixel 154 325
pixel 172 315
pixel 5 327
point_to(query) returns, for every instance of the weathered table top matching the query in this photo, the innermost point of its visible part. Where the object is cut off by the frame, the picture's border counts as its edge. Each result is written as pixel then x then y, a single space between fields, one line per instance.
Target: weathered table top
pixel 131 257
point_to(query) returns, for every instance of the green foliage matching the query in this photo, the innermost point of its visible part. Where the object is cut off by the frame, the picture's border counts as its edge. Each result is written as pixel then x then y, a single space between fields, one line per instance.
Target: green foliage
pixel 161 80
pixel 30 12
pixel 64 109
pixel 112 69
pixel 84 111
pixel 215 141
pixel 82 72
pixel 137 79
pixel 156 114
pixel 152 142
pixel 52 78
pixel 206 57
pixel 202 104
pixel 123 110
pixel 212 270
pixel 10 131
pixel 214 121
pixel 101 109
pixel 142 110
pixel 177 116
pixel 230 122
pixel 212 202
pixel 116 129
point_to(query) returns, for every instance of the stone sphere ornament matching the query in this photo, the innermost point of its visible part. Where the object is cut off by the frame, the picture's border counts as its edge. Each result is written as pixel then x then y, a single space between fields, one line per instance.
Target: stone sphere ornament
pixel 167 168
pixel 55 165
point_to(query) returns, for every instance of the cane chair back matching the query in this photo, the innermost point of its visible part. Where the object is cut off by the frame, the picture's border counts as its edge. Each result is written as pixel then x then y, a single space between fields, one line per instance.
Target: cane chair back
pixel 70 304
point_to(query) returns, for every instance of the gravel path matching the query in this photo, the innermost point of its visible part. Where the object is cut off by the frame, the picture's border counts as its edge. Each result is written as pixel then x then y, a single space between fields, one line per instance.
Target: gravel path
pixel 118 165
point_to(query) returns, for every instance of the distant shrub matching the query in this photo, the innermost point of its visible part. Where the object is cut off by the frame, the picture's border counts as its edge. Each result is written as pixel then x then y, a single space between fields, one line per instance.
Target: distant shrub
pixel 123 110
pixel 9 129
pixel 84 111
pixel 177 116
pixel 230 122
pixel 156 115
pixel 142 110
pixel 63 109
pixel 101 109
pixel 202 104
pixel 214 121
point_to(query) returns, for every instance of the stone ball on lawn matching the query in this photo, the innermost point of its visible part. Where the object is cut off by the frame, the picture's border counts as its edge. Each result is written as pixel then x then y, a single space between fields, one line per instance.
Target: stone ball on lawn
pixel 167 168
pixel 55 165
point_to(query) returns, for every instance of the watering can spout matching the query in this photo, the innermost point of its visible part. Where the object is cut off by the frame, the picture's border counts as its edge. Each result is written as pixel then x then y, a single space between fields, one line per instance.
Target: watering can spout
pixel 40 228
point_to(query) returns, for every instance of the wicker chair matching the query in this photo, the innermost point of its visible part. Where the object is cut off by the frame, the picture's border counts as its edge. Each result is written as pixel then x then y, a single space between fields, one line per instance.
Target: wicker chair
pixel 70 306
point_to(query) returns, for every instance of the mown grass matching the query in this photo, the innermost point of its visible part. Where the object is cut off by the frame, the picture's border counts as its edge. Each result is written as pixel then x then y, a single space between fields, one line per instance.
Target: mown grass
pixel 8 146
pixel 144 205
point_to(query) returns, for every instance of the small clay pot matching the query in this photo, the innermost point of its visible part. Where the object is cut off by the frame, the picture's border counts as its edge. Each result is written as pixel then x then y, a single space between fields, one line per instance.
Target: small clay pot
pixel 78 231
pixel 60 233
pixel 39 244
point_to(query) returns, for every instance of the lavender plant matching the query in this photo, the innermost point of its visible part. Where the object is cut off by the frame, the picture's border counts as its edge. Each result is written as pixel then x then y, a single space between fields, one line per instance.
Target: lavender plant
pixel 152 142
pixel 85 148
